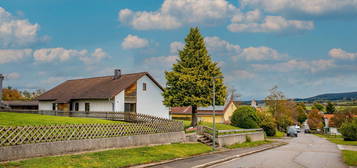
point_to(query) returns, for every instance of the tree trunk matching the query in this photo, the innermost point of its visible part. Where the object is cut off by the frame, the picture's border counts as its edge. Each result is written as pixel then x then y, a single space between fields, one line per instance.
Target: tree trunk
pixel 194 116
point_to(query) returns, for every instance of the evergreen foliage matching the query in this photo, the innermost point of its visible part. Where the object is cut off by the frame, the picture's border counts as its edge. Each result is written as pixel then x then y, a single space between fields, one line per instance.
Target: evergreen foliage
pixel 245 117
pixel 190 81
pixel 330 108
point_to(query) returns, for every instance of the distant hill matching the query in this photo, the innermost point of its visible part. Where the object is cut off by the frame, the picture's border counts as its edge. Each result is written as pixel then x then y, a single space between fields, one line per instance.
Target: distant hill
pixel 332 97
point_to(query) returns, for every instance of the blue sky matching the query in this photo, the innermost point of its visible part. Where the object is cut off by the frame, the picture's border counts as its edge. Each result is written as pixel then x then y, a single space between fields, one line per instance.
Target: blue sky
pixel 304 47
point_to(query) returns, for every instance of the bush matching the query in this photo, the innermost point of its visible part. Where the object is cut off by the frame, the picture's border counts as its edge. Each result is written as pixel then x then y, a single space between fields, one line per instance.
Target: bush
pixel 349 130
pixel 267 122
pixel 245 117
pixel 269 128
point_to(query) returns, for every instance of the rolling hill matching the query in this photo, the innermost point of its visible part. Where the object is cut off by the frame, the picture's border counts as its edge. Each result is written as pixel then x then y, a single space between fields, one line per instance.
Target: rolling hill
pixel 332 97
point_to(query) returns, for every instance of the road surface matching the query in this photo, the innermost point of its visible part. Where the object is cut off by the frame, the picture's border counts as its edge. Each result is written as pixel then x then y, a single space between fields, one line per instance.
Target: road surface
pixel 305 151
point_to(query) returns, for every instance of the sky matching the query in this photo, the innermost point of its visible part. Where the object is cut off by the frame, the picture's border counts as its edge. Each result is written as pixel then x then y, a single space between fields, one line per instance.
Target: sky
pixel 304 47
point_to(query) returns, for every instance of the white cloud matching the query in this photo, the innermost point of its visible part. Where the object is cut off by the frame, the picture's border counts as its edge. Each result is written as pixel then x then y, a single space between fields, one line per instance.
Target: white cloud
pixel 13 75
pixel 133 42
pixel 250 16
pixel 161 61
pixel 16 32
pixel 96 56
pixel 7 56
pixel 260 53
pixel 175 13
pixel 175 46
pixel 310 7
pixel 250 22
pixel 61 54
pixel 338 53
pixel 293 65
pixel 215 44
pixel 243 74
pixel 218 46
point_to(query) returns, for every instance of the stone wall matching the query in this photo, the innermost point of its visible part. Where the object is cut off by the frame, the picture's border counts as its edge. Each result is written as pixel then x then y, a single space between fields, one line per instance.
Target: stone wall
pixel 73 146
pixel 230 139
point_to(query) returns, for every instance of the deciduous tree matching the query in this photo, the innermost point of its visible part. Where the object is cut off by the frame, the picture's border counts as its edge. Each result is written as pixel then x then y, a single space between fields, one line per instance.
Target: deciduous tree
pixel 315 119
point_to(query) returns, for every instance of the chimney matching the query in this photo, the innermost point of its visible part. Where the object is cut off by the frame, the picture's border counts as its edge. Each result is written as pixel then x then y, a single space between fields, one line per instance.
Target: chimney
pixel 1 79
pixel 117 74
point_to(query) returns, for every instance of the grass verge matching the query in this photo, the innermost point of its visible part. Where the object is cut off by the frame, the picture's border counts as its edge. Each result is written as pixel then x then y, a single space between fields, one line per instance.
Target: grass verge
pixel 114 158
pixel 337 139
pixel 248 144
pixel 278 134
pixel 23 119
pixel 350 157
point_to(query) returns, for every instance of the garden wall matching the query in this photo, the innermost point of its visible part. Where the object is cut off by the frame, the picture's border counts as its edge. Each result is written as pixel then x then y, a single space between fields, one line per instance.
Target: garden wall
pixel 230 139
pixel 73 146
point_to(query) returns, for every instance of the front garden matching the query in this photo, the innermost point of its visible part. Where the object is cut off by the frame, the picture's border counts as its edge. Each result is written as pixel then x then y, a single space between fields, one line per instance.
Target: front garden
pixel 23 119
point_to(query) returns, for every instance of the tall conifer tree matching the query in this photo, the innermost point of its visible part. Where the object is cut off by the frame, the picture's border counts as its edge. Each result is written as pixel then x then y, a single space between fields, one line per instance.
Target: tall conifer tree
pixel 190 83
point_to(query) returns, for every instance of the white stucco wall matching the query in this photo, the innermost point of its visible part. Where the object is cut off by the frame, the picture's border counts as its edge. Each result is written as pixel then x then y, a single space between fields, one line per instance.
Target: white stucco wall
pixel 45 105
pixel 150 102
pixel 95 105
pixel 119 102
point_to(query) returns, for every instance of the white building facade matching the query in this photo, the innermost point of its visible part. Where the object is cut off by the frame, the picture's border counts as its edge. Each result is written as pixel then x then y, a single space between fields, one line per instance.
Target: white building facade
pixel 143 96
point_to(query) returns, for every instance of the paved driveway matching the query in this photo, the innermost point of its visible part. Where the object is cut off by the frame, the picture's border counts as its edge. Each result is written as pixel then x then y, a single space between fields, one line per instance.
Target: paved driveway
pixel 306 151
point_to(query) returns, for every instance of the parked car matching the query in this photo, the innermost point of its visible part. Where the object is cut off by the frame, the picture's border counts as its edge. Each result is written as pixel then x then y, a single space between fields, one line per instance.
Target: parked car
pixel 298 128
pixel 292 131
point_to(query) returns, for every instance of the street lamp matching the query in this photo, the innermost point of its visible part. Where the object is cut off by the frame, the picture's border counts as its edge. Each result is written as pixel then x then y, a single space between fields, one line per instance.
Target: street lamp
pixel 214 110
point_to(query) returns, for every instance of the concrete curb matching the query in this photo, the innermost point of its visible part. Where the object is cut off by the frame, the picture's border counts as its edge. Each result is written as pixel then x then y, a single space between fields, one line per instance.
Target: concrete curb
pixel 177 159
pixel 213 162
pixel 238 156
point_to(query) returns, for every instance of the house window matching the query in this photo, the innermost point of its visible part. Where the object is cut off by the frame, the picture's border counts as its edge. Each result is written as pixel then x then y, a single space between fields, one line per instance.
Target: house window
pixel 144 86
pixel 53 106
pixel 71 106
pixel 76 107
pixel 86 107
pixel 130 107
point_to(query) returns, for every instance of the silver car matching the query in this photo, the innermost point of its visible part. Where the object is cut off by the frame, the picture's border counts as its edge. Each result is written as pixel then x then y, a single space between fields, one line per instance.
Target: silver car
pixel 292 131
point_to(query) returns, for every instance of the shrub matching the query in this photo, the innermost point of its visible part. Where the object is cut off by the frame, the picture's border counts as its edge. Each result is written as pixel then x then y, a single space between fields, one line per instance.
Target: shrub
pixel 349 130
pixel 269 128
pixel 245 117
pixel 267 122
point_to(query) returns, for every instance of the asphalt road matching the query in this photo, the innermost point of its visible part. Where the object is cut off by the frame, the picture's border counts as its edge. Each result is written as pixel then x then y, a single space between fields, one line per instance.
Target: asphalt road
pixel 305 151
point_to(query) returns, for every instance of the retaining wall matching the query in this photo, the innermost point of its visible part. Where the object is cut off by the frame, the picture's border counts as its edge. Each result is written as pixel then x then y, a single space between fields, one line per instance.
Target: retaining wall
pixel 73 146
pixel 230 139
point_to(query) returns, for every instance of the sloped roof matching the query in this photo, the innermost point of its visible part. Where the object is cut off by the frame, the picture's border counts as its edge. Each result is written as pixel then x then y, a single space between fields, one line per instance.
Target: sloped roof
pixel 92 88
pixel 202 110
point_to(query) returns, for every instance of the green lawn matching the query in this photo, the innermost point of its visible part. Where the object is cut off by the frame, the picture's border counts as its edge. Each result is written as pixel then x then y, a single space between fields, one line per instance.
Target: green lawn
pixel 114 158
pixel 218 125
pixel 337 139
pixel 22 119
pixel 350 157
pixel 248 144
pixel 278 134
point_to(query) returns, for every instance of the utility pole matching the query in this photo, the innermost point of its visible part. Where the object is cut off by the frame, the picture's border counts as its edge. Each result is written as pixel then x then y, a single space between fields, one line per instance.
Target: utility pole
pixel 214 110
pixel 1 79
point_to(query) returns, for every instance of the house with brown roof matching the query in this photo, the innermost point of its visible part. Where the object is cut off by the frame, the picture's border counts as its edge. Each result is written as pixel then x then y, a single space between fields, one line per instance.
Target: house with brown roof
pixel 136 92
pixel 222 113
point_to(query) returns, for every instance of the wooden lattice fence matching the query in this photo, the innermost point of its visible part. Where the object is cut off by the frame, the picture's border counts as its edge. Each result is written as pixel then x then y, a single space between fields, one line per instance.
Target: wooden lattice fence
pixel 139 125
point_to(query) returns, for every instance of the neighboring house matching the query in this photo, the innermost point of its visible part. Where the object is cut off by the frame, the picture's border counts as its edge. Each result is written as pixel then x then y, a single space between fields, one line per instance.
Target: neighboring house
pixel 137 92
pixel 329 125
pixel 254 103
pixel 22 105
pixel 223 113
